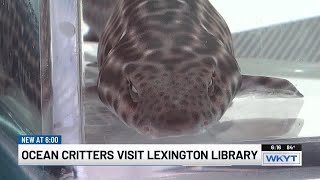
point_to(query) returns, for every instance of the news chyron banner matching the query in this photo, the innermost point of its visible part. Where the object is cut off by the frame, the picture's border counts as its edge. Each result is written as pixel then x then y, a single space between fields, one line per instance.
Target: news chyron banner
pixel 48 150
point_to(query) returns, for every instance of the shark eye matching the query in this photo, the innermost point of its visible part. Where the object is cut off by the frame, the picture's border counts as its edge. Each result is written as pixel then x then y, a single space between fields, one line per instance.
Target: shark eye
pixel 134 89
pixel 210 82
pixel 133 92
pixel 211 85
pixel 212 79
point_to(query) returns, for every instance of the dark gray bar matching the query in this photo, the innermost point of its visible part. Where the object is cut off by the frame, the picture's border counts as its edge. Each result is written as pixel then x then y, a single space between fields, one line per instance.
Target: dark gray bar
pixel 281 147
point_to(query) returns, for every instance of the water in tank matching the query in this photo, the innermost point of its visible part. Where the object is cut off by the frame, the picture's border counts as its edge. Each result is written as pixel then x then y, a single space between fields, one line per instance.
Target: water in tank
pixel 20 83
pixel 144 83
pixel 25 83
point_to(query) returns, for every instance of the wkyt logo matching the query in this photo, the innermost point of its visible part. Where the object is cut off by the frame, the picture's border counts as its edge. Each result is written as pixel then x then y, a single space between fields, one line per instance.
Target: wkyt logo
pixel 282 159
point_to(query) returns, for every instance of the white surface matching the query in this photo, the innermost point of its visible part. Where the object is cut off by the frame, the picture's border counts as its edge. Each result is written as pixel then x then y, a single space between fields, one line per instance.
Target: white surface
pixel 243 15
pixel 296 116
pixel 311 106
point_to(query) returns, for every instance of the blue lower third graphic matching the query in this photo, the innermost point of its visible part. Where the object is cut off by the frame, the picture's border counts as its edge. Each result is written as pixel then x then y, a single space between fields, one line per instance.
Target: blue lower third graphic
pixel 39 139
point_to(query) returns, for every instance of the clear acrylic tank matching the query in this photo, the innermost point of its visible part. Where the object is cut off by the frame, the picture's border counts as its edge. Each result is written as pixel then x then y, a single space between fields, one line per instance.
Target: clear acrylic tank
pixel 279 44
pixel 270 38
pixel 47 75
